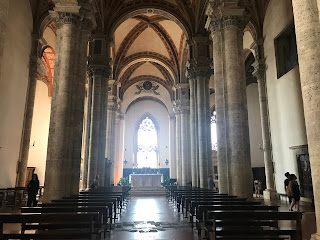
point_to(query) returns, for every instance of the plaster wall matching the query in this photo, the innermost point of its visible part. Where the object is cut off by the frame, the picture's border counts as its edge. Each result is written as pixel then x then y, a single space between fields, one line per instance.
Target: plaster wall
pixel 132 117
pixel 255 131
pixel 130 95
pixel 40 131
pixel 13 87
pixel 287 122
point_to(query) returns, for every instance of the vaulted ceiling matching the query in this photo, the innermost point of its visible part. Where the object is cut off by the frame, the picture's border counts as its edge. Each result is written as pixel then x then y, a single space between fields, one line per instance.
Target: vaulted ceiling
pixel 148 46
pixel 149 36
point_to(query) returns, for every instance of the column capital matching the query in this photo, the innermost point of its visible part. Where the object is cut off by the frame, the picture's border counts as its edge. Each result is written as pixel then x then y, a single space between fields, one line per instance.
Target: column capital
pixel 259 69
pixel 221 15
pixel 97 71
pixel 73 11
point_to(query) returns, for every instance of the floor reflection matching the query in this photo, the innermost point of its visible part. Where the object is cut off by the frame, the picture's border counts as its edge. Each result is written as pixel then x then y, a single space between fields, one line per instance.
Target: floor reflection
pixel 146 210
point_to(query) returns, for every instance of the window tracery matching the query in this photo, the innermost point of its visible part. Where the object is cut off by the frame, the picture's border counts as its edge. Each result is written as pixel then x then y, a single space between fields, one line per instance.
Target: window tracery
pixel 147 144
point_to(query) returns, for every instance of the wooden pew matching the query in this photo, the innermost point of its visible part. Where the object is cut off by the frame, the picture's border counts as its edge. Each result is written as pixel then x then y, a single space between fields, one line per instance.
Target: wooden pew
pixel 238 230
pixel 94 200
pixel 51 225
pixel 84 204
pixel 195 203
pixel 185 199
pixel 102 210
pixel 202 211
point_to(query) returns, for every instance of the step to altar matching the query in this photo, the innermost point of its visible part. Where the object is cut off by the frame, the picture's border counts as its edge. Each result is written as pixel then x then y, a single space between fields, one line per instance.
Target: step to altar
pixel 148 191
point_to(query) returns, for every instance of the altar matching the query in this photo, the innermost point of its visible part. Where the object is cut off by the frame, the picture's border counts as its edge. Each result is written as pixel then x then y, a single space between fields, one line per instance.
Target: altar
pixel 145 180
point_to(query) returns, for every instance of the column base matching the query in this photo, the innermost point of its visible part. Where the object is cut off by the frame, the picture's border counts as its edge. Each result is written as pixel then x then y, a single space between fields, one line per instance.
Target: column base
pixel 315 236
pixel 270 194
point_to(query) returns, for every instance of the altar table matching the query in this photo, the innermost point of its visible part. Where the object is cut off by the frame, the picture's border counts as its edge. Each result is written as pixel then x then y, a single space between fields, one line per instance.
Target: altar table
pixel 145 180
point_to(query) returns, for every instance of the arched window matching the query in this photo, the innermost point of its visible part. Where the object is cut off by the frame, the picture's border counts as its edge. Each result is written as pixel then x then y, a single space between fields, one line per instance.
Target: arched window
pixel 214 131
pixel 147 141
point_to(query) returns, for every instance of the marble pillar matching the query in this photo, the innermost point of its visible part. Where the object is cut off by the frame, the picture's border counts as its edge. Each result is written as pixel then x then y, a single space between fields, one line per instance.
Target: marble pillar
pixel 35 58
pixel 259 74
pixel 97 76
pixel 306 17
pixel 87 136
pixel 220 105
pixel 193 131
pixel 65 118
pixel 237 121
pixel 178 146
pixel 172 147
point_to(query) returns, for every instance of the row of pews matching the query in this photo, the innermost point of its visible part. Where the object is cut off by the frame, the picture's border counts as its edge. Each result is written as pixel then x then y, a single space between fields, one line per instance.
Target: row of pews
pixel 88 215
pixel 220 216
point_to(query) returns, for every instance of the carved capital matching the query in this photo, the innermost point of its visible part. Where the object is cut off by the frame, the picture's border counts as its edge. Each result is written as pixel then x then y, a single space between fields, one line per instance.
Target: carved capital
pixel 93 72
pixel 259 69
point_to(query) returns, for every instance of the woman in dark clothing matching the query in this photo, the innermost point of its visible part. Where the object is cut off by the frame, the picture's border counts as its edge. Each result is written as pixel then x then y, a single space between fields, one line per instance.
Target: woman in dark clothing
pixel 32 189
pixel 294 192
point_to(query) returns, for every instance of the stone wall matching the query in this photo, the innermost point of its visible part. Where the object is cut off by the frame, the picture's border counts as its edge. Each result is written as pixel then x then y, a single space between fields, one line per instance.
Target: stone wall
pixel 13 87
pixel 40 130
pixel 255 131
pixel 135 112
pixel 284 96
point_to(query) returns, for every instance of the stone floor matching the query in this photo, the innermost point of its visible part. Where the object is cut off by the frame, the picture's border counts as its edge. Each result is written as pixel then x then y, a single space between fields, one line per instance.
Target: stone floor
pixel 156 218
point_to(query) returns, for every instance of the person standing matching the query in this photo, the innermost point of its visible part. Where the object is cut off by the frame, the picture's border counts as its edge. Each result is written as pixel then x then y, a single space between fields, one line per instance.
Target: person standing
pixel 256 187
pixel 286 184
pixel 32 189
pixel 294 191
pixel 210 182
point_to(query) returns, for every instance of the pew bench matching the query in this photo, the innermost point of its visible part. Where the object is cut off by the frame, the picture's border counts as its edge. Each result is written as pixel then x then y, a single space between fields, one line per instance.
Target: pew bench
pixel 203 220
pixel 239 230
pixel 51 225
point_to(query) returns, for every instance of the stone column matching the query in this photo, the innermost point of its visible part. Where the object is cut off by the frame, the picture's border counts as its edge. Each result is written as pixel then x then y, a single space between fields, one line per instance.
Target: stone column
pixel 183 106
pixel 208 125
pixel 78 99
pixel 118 168
pixel 220 105
pixel 103 129
pixel 111 135
pixel 97 76
pixel 193 131
pixel 4 8
pixel 202 128
pixel 237 120
pixel 35 58
pixel 306 17
pixel 259 74
pixel 178 146
pixel 87 135
pixel 172 146
pixel 64 153
pixel 185 146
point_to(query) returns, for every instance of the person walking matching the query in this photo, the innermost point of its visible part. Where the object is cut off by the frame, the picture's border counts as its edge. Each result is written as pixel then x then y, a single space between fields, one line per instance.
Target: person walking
pixel 32 189
pixel 294 192
pixel 210 182
pixel 286 184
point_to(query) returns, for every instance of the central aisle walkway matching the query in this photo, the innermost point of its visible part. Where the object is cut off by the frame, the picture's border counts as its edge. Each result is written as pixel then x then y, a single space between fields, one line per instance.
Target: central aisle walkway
pixel 152 218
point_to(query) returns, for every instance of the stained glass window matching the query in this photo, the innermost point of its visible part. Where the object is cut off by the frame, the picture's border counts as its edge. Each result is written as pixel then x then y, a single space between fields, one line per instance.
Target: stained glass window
pixel 214 131
pixel 147 144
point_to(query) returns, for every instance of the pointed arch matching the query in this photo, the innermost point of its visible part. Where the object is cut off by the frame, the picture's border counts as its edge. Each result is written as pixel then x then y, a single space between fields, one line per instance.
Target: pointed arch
pixel 146 151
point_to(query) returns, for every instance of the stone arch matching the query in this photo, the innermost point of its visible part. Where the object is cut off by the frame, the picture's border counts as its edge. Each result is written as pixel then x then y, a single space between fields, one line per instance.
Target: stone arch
pixel 170 14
